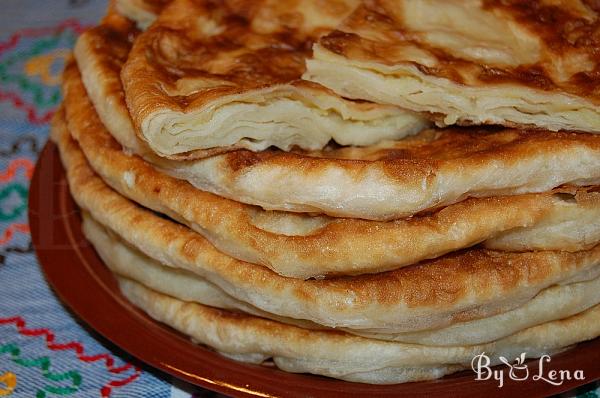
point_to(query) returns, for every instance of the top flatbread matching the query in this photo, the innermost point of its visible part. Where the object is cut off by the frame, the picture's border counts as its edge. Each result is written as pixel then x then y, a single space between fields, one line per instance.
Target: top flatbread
pixel 512 62
pixel 380 182
pixel 226 74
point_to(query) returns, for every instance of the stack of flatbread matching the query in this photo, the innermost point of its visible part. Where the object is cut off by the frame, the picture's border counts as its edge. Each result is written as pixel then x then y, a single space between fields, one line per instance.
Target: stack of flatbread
pixel 375 190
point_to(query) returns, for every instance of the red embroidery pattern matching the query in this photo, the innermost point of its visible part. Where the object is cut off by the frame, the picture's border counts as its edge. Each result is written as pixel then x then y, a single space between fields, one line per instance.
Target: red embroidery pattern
pixel 31 112
pixel 14 166
pixel 79 350
pixel 12 42
pixel 35 32
pixel 9 232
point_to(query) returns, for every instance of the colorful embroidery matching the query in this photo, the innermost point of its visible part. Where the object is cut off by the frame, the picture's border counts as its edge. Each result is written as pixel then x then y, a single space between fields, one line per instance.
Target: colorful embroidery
pixel 16 37
pixel 24 142
pixel 42 66
pixel 22 80
pixel 9 232
pixel 11 211
pixel 31 112
pixel 19 69
pixel 9 380
pixel 14 166
pixel 44 364
pixel 79 350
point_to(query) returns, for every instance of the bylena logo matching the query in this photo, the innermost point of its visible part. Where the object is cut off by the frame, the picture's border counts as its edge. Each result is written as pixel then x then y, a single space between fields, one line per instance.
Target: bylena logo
pixel 518 371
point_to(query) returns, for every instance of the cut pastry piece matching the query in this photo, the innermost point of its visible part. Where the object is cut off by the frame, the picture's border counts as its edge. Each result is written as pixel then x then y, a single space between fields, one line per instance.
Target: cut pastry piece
pixel 553 303
pixel 214 76
pixel 379 182
pixel 101 52
pixel 343 356
pixel 143 12
pixel 303 246
pixel 458 287
pixel 513 63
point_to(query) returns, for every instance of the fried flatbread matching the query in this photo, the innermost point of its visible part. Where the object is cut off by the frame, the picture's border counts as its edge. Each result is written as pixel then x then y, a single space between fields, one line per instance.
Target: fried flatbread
pixel 553 303
pixel 344 356
pixel 458 287
pixel 101 52
pixel 380 182
pixel 566 231
pixel 515 63
pixel 130 263
pixel 303 246
pixel 211 76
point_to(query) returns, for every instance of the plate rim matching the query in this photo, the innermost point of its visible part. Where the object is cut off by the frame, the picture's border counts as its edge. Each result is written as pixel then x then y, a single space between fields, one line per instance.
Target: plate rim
pixel 53 216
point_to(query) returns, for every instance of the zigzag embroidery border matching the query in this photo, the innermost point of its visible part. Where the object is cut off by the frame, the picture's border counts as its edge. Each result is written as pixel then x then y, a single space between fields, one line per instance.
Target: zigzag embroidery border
pixel 79 350
pixel 19 144
pixel 12 42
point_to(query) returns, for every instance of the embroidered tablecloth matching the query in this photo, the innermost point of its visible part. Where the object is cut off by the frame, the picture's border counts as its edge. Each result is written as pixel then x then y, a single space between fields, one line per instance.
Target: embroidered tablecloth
pixel 44 350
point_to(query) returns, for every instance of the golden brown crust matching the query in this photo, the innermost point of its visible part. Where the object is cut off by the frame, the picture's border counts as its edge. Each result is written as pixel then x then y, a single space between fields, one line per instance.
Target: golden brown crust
pixel 564 32
pixel 457 287
pixel 378 182
pixel 299 245
pixel 530 64
pixel 420 165
pixel 551 304
pixel 344 356
pixel 178 48
pixel 204 57
pixel 567 29
pixel 424 155
pixel 250 45
pixel 101 53
pixel 154 6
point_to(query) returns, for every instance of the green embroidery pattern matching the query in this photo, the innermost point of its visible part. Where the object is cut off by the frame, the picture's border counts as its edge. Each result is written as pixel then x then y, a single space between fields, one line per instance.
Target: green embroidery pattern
pixel 44 364
pixel 23 82
pixel 5 192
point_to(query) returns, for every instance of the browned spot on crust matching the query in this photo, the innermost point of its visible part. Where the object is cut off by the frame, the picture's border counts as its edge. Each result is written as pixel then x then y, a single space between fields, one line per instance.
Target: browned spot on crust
pixel 243 160
pixel 243 47
pixel 374 32
pixel 533 76
pixel 338 42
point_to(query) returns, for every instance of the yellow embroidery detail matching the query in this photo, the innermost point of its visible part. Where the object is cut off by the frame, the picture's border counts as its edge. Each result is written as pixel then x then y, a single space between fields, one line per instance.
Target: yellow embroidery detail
pixel 9 379
pixel 42 66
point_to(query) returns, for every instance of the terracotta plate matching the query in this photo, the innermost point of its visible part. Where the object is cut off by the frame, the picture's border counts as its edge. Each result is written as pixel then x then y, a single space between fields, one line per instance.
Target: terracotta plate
pixel 87 287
